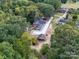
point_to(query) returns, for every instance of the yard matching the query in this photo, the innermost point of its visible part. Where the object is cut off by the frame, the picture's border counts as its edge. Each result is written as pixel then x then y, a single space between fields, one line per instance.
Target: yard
pixel 71 5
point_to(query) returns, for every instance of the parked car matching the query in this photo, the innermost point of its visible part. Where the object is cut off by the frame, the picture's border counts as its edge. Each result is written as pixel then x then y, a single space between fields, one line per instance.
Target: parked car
pixel 42 37
pixel 61 21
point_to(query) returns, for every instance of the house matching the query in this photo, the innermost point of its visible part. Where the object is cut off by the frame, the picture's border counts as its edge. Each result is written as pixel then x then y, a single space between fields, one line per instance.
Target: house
pixel 40 28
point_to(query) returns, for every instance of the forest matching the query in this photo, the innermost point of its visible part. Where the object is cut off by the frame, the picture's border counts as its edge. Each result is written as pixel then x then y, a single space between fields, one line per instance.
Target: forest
pixel 15 16
pixel 15 42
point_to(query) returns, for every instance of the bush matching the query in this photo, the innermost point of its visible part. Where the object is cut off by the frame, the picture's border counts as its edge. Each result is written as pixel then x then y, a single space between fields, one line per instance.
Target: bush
pixel 65 40
pixel 74 17
pixel 46 9
pixel 71 10
pixel 63 1
pixel 55 3
pixel 32 12
pixel 52 54
pixel 74 11
pixel 32 39
pixel 74 0
pixel 44 49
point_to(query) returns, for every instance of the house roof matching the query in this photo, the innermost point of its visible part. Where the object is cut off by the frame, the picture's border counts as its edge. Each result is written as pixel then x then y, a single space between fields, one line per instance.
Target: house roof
pixel 43 27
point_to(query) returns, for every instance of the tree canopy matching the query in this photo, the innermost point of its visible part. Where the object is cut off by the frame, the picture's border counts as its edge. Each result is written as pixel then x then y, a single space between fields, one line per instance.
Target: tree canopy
pixel 15 17
pixel 65 41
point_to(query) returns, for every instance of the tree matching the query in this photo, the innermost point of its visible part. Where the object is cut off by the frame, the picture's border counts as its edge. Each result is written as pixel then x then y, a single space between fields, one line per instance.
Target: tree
pixel 7 51
pixel 65 40
pixel 46 9
pixel 32 39
pixel 73 0
pixel 74 17
pixel 63 1
pixel 23 44
pixel 55 3
pixel 23 47
pixel 32 12
pixel 36 1
pixel 12 27
pixel 52 54
pixel 44 49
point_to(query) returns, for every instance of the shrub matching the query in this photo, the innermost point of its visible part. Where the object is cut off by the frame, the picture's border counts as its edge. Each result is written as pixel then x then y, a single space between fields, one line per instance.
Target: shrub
pixel 64 1
pixel 46 9
pixel 73 0
pixel 74 17
pixel 44 49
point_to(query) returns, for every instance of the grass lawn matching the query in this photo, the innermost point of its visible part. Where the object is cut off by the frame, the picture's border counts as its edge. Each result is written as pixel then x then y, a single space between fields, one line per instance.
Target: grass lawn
pixel 71 5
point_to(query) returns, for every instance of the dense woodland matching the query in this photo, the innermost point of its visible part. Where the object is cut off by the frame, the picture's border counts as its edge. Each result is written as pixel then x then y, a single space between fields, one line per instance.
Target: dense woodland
pixel 15 42
pixel 15 16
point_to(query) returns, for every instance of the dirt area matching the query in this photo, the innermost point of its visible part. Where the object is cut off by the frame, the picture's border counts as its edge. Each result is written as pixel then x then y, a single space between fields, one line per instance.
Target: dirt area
pixel 40 43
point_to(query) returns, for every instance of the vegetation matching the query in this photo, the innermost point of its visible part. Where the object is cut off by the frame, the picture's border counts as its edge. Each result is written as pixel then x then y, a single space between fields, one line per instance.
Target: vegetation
pixel 44 8
pixel 74 0
pixel 44 49
pixel 15 17
pixel 15 41
pixel 65 41
pixel 64 1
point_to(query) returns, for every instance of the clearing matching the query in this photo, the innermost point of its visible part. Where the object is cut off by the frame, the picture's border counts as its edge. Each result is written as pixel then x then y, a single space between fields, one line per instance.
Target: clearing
pixel 71 5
